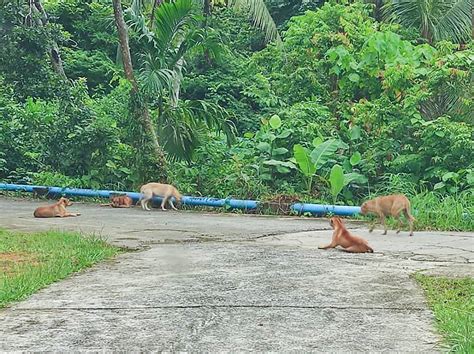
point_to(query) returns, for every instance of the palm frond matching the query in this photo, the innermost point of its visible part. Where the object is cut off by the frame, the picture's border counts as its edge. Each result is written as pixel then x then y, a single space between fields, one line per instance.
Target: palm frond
pixel 436 19
pixel 259 14
pixel 183 128
pixel 456 23
pixel 172 19
pixel 154 76
pixel 137 21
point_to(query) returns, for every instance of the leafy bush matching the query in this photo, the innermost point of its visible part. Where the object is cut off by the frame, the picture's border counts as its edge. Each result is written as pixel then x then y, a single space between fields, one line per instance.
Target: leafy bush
pixel 393 111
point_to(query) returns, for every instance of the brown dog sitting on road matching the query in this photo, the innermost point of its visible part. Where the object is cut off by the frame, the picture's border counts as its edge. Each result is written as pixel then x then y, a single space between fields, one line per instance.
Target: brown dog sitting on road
pixel 342 237
pixel 120 201
pixel 165 191
pixel 58 209
pixel 390 205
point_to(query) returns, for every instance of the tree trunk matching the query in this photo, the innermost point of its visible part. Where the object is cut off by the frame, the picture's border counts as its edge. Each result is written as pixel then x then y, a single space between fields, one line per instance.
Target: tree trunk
pixel 378 10
pixel 54 56
pixel 144 115
pixel 156 3
pixel 207 15
pixel 176 85
pixel 207 8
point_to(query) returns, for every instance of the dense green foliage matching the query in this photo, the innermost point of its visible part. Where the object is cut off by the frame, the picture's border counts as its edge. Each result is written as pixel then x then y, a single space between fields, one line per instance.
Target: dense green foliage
pixel 331 113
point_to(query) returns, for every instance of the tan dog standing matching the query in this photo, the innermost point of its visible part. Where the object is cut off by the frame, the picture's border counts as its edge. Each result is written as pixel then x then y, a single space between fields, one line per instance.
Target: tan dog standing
pixel 342 237
pixel 58 209
pixel 390 205
pixel 165 191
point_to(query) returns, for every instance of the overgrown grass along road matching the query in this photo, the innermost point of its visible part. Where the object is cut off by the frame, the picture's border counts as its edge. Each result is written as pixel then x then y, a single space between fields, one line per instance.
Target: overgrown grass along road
pixel 452 302
pixel 31 261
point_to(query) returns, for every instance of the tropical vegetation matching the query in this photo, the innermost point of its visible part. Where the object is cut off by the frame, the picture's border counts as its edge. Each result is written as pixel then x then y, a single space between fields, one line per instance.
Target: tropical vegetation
pixel 322 101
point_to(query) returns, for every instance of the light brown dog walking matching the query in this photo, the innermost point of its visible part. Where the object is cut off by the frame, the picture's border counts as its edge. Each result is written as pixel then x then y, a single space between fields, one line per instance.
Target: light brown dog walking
pixel 165 191
pixel 390 205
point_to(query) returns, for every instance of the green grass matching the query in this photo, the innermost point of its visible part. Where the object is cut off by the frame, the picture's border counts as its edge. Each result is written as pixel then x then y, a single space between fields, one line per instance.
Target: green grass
pixel 452 302
pixel 434 211
pixel 449 213
pixel 31 261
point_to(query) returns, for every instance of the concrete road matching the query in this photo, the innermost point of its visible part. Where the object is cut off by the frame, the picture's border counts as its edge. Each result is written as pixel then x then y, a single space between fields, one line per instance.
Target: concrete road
pixel 226 282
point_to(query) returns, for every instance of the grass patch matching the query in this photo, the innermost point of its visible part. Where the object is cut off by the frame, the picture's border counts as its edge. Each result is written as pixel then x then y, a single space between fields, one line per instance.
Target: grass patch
pixel 434 211
pixel 31 261
pixel 448 212
pixel 452 302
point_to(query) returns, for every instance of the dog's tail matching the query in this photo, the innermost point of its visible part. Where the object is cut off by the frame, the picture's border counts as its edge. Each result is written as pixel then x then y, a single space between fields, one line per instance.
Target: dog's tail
pixel 408 215
pixel 141 196
pixel 139 200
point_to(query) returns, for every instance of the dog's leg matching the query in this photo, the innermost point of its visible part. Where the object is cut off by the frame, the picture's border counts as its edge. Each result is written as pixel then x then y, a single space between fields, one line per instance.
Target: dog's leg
pixel 382 221
pixel 172 205
pixel 69 214
pixel 163 202
pixel 352 249
pixel 372 226
pixel 399 223
pixel 358 249
pixel 331 245
pixel 146 197
pixel 145 204
pixel 410 218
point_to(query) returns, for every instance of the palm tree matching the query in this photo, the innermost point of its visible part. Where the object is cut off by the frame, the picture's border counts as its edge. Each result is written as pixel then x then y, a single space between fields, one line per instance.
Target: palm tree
pixel 256 9
pixel 144 116
pixel 258 13
pixel 436 19
pixel 176 32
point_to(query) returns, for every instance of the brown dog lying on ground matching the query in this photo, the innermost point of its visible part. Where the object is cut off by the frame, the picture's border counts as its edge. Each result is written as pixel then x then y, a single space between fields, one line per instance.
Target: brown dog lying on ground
pixel 119 201
pixel 56 210
pixel 390 205
pixel 342 237
pixel 165 191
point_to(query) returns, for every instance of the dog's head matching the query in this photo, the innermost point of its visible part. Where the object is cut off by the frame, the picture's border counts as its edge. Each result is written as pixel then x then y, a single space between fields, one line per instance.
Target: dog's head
pixel 334 221
pixel 64 201
pixel 115 199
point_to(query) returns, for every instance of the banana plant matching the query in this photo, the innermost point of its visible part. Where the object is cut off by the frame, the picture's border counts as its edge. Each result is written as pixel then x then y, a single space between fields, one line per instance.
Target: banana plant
pixel 338 180
pixel 309 163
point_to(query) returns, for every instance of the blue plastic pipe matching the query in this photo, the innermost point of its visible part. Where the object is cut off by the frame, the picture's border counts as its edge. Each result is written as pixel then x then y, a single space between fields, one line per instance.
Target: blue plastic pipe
pixel 322 209
pixel 317 209
pixel 78 192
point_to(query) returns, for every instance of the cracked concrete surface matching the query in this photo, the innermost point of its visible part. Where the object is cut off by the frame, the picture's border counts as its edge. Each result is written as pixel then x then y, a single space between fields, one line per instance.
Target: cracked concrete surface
pixel 226 282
